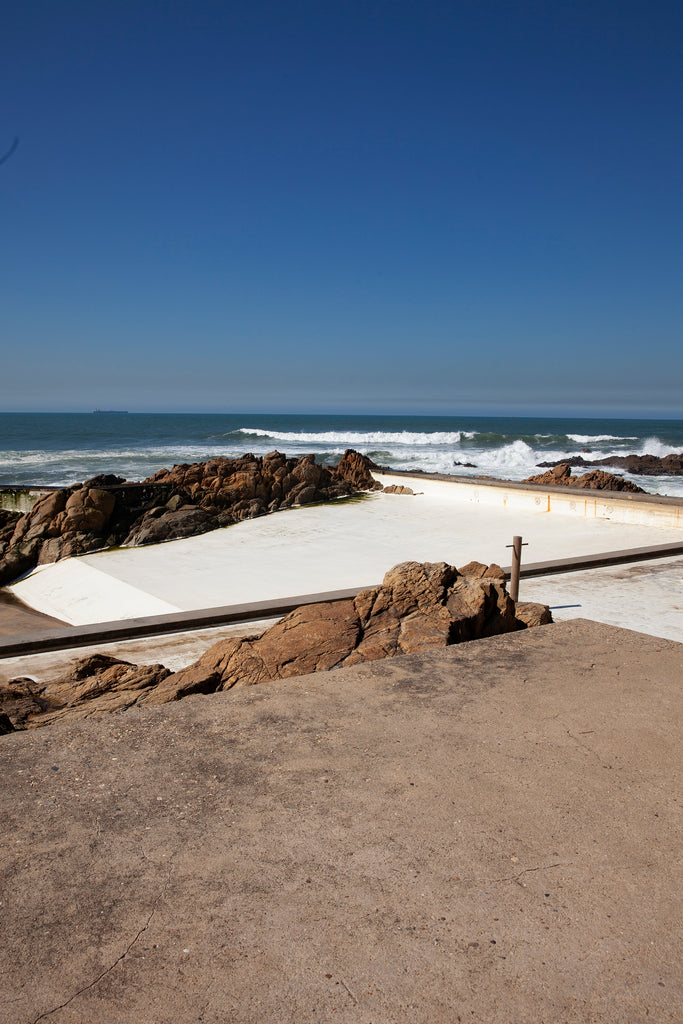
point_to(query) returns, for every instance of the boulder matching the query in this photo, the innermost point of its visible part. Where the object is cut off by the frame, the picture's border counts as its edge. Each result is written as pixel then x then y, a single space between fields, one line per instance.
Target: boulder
pixel 104 480
pixel 93 686
pixel 418 606
pixel 160 525
pixel 21 701
pixel 9 520
pixel 597 479
pixel 87 511
pixel 560 475
pixel 356 470
pixel 532 614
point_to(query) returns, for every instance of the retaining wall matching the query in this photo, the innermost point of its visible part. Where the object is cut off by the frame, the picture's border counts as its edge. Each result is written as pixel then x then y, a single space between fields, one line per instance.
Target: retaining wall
pixel 620 507
pixel 19 499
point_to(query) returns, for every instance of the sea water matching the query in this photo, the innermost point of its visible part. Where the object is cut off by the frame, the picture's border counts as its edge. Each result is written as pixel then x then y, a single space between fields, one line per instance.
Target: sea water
pixel 62 449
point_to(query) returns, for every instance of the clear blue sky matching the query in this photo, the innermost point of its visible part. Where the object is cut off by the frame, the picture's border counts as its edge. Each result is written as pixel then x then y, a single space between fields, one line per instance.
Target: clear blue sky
pixel 356 206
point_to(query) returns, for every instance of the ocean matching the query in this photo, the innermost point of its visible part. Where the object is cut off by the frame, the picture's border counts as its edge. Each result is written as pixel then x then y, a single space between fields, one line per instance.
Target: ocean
pixel 64 448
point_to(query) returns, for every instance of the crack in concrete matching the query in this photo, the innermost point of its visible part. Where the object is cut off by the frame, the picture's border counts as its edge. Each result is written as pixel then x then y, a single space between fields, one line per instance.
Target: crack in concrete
pixel 586 747
pixel 526 871
pixel 348 990
pixel 108 970
pixel 515 878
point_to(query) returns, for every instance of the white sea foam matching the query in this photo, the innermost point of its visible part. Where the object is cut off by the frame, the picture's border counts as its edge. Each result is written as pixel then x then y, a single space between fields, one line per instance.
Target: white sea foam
pixel 517 458
pixel 368 438
pixel 482 453
pixel 596 438
pixel 653 446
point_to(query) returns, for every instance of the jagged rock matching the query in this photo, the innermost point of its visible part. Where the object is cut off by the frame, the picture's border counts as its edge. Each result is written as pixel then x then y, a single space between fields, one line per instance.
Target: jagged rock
pixel 597 479
pixel 8 524
pixel 560 475
pixel 93 686
pixel 21 700
pixel 418 606
pixel 104 480
pixel 642 465
pixel 186 521
pixel 356 470
pixel 5 724
pixel 182 502
pixel 532 614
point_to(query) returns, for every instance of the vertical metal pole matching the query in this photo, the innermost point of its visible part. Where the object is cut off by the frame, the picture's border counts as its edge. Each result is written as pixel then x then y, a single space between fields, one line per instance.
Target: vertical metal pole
pixel 516 562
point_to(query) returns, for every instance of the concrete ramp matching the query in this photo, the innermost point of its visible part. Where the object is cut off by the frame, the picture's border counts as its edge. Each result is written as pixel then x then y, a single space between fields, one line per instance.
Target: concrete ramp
pixel 78 591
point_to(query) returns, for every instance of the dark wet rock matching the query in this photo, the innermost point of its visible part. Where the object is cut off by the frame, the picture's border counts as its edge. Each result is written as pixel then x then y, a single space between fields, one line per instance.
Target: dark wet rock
pixel 105 480
pixel 5 724
pixel 8 522
pixel 639 465
pixel 186 521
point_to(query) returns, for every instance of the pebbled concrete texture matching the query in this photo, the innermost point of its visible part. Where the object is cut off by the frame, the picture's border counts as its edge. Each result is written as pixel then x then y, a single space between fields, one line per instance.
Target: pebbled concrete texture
pixel 483 833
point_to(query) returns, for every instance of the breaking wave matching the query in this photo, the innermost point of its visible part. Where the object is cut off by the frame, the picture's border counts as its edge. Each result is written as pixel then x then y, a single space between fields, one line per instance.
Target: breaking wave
pixel 61 451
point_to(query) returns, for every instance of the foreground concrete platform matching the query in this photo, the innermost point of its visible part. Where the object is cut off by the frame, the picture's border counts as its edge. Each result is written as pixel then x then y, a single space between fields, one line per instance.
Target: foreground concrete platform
pixel 486 833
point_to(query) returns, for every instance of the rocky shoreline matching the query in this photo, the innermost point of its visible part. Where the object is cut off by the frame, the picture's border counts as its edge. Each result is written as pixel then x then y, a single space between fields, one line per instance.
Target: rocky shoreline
pixel 185 501
pixel 642 465
pixel 561 476
pixel 418 606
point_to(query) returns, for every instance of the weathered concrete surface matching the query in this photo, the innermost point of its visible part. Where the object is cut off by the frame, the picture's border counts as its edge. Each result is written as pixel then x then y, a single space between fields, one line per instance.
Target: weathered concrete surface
pixel 484 833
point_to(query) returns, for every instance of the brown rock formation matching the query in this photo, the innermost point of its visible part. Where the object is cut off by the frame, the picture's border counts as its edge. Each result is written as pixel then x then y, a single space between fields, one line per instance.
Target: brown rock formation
pixel 643 465
pixel 8 522
pixel 560 475
pixel 93 686
pixel 182 502
pixel 417 606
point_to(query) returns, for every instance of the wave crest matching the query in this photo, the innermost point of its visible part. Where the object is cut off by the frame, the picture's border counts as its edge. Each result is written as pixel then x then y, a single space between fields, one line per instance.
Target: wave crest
pixel 350 437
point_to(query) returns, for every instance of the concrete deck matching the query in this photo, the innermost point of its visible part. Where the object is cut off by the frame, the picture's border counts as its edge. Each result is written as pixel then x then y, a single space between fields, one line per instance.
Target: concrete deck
pixel 645 596
pixel 487 833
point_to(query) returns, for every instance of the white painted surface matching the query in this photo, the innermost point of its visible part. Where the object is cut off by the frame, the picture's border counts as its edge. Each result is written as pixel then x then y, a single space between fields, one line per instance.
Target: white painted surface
pixel 78 592
pixel 573 502
pixel 644 596
pixel 315 549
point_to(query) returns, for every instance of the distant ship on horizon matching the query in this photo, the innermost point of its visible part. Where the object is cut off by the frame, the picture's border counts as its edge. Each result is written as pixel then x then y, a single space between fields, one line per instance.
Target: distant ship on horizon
pixel 110 412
